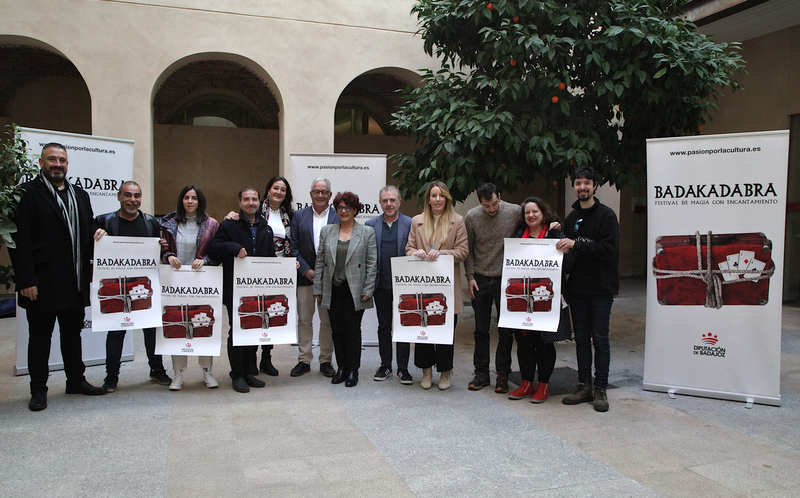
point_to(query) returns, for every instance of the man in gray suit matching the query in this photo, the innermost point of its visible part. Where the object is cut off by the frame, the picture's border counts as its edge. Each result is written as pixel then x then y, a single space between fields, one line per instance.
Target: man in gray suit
pixel 304 242
pixel 391 234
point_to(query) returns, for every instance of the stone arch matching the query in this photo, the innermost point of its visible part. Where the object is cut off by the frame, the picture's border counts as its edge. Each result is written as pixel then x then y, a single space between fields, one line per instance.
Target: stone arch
pixel 240 146
pixel 41 88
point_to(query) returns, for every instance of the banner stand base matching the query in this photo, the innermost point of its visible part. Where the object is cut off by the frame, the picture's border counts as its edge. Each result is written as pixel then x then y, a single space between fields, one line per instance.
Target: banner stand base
pixel 748 399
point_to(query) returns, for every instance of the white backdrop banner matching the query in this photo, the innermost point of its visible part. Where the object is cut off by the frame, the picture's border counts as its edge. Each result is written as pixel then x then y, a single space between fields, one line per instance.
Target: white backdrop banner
pixel 424 300
pixel 98 165
pixel 265 297
pixel 716 221
pixel 531 283
pixel 126 293
pixel 191 311
pixel 363 174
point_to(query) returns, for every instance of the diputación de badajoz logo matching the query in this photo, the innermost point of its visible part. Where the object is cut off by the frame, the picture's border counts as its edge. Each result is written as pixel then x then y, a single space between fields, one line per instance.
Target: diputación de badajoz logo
pixel 709 346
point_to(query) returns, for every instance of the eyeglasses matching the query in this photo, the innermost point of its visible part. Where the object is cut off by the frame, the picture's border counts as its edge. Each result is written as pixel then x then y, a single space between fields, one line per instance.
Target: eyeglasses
pixel 320 192
pixel 344 208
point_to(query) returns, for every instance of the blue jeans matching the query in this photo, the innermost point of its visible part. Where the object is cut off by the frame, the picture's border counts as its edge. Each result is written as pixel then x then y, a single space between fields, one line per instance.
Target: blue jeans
pixel 590 319
pixel 488 293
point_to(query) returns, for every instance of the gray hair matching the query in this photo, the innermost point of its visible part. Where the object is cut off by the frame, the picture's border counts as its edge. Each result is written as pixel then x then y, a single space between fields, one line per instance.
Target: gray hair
pixel 320 179
pixel 389 188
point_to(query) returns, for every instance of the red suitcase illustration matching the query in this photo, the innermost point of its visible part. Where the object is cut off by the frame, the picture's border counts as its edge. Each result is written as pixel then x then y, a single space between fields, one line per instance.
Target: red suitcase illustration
pixel 421 310
pixel 529 294
pixel 263 312
pixel 125 294
pixel 736 271
pixel 185 321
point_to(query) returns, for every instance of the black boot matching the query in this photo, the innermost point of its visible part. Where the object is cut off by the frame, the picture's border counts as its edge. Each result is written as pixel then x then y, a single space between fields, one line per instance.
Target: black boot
pixel 341 374
pixel 266 365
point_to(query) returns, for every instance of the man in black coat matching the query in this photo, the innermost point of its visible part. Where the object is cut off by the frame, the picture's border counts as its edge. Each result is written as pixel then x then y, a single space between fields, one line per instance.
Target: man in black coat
pixel 248 236
pixel 54 244
pixel 130 221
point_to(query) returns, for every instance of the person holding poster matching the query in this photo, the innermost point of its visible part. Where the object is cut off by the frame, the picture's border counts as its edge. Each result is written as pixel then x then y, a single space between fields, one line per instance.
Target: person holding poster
pixel 536 347
pixel 487 225
pixel 188 232
pixel 250 235
pixel 129 221
pixel 391 234
pixel 51 262
pixel 592 231
pixel 304 239
pixel 438 230
pixel 344 280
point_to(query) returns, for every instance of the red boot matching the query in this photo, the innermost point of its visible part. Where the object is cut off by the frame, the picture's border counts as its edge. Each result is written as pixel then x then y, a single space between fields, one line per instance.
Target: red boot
pixel 542 393
pixel 525 390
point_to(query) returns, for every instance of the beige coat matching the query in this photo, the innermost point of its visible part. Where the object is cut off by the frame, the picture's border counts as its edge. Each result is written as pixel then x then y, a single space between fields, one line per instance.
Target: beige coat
pixel 455 245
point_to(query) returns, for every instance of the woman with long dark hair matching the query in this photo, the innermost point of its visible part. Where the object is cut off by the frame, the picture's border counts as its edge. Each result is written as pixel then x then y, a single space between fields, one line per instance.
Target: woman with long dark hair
pixel 535 348
pixel 188 231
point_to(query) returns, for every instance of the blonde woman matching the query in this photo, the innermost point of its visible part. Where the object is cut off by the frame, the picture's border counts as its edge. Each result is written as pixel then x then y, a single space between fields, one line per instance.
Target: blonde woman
pixel 438 230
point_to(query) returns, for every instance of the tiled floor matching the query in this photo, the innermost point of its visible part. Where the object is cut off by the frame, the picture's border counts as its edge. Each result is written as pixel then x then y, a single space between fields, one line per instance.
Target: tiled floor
pixel 305 437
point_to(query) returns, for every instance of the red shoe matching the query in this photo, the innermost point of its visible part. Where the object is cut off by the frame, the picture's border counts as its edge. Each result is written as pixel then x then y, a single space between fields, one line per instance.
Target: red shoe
pixel 525 390
pixel 542 393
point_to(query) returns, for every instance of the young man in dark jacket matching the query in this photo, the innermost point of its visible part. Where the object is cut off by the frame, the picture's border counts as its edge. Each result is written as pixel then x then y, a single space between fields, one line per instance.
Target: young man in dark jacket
pixel 592 231
pixel 248 236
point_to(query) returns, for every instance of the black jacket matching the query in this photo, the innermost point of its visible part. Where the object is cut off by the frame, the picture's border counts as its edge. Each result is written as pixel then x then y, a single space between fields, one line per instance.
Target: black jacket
pixel 43 256
pixel 110 223
pixel 596 235
pixel 231 237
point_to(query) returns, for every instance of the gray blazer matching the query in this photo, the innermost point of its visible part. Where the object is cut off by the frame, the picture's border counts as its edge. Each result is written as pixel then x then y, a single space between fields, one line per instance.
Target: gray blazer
pixel 361 266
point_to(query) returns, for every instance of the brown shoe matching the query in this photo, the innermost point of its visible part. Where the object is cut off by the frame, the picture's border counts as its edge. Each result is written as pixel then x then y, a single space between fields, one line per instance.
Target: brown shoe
pixel 501 386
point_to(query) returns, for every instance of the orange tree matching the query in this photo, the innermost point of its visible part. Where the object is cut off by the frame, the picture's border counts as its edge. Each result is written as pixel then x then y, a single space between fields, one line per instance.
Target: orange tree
pixel 541 87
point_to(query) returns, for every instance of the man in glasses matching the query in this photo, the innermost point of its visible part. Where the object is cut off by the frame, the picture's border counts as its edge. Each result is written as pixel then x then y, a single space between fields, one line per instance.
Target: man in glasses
pixel 592 232
pixel 304 242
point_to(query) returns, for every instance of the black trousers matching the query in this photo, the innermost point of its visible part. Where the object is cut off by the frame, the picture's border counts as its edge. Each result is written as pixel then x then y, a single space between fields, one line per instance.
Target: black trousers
pixel 40 333
pixel 441 355
pixel 114 342
pixel 533 351
pixel 383 307
pixel 489 294
pixel 241 358
pixel 345 328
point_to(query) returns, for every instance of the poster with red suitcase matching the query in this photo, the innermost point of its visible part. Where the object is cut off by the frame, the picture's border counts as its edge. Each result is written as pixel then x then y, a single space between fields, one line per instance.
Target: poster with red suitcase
pixel 264 301
pixel 716 212
pixel 125 283
pixel 530 298
pixel 423 297
pixel 191 311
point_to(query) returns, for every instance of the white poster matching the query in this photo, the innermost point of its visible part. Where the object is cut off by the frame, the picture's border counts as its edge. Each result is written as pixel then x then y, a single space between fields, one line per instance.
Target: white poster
pixel 424 300
pixel 716 220
pixel 191 311
pixel 98 165
pixel 264 300
pixel 125 283
pixel 363 174
pixel 531 296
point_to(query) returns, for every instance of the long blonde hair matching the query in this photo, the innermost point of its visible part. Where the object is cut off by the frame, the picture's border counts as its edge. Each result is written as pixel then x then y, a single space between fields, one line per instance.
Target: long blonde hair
pixel 442 229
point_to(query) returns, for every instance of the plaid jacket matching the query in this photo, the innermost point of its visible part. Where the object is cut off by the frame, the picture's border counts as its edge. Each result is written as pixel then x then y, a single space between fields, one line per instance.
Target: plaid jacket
pixel 361 266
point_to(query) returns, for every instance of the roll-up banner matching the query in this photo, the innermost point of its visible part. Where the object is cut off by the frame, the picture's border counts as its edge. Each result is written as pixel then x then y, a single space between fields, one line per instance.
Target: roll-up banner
pixel 363 174
pixel 716 218
pixel 98 165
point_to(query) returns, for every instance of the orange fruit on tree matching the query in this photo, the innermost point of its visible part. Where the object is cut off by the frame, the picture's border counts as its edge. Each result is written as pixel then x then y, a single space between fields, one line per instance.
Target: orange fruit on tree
pixel 513 62
pixel 562 86
pixel 490 6
pixel 491 151
pixel 554 99
pixel 515 18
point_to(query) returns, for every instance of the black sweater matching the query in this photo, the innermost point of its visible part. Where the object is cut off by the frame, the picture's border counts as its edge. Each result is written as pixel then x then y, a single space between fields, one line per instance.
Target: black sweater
pixel 596 235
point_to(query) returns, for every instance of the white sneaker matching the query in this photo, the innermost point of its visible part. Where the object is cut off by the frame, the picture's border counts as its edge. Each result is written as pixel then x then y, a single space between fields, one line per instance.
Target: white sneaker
pixel 209 379
pixel 427 378
pixel 177 381
pixel 444 380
